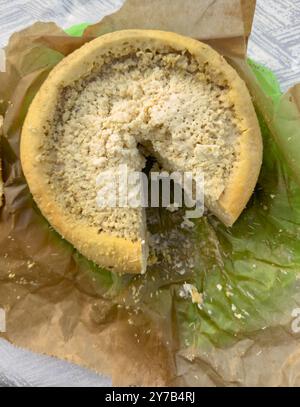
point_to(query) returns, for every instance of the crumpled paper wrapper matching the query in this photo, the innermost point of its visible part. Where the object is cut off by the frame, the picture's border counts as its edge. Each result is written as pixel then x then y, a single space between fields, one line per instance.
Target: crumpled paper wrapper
pixel 137 328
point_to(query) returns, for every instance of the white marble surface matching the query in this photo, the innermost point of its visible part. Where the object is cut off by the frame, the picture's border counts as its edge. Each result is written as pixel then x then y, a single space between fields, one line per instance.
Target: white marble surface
pixel 275 39
pixel 275 42
pixel 25 369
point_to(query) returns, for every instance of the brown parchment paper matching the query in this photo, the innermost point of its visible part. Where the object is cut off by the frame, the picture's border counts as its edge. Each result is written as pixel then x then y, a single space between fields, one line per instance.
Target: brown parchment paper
pixel 56 302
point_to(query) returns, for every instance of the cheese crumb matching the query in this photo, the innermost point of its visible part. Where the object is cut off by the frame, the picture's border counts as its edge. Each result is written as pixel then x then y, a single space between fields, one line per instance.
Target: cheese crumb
pixel 190 291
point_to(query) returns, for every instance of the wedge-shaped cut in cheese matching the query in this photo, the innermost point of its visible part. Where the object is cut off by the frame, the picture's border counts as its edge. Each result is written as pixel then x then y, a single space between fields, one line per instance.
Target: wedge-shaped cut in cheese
pixel 125 90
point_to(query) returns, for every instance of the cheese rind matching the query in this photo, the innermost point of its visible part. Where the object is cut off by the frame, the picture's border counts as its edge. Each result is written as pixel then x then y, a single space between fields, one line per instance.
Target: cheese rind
pixel 126 88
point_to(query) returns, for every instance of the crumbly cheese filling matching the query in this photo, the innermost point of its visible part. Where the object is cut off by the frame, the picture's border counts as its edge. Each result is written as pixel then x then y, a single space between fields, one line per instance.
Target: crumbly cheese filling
pixel 165 99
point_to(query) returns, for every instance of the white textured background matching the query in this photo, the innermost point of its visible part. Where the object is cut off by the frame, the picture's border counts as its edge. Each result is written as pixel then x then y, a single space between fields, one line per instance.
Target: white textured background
pixel 275 42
